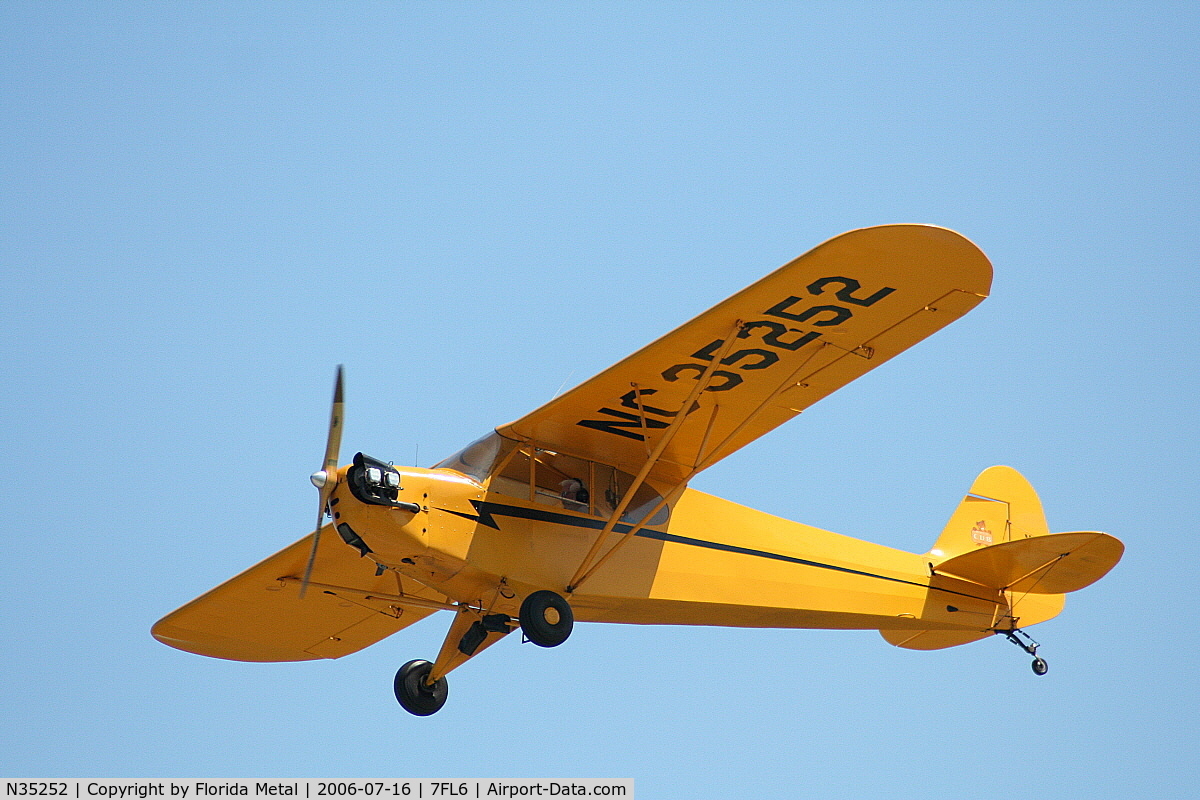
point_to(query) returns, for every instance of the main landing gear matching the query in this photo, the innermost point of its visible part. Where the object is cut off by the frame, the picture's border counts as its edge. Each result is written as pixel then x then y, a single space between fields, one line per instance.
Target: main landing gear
pixel 414 693
pixel 1039 664
pixel 546 620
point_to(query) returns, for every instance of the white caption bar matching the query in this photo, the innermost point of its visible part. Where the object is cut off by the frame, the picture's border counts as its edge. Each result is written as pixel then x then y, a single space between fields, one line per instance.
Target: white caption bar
pixel 463 789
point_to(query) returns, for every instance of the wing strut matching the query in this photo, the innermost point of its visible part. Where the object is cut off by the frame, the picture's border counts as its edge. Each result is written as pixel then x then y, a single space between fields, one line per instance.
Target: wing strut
pixel 651 460
pixel 702 461
pixel 799 377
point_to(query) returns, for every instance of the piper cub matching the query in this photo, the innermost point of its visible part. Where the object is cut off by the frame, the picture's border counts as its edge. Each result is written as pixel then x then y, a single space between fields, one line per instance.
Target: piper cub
pixel 581 510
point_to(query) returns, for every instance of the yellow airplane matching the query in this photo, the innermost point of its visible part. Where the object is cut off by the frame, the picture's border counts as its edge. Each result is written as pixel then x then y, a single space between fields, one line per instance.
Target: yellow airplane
pixel 581 510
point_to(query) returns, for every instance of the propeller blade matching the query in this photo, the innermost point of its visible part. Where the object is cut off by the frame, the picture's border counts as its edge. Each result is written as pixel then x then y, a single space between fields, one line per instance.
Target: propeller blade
pixel 333 442
pixel 312 555
pixel 325 479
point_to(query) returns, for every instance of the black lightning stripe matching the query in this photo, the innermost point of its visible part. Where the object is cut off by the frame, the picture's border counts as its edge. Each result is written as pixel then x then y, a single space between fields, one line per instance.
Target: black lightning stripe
pixel 486 513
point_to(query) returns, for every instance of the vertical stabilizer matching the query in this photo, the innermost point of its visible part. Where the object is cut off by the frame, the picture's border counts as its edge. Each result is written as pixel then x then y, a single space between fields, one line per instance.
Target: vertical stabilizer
pixel 1001 507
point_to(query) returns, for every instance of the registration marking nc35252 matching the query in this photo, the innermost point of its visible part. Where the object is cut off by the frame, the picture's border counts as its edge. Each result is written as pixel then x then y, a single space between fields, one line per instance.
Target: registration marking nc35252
pixel 776 338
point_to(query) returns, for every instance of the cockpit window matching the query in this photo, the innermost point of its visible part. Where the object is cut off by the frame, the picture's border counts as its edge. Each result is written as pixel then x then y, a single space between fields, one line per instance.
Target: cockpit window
pixel 561 481
pixel 514 477
pixel 554 479
pixel 612 485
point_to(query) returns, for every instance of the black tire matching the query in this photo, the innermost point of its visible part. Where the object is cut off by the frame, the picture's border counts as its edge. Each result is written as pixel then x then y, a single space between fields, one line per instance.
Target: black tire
pixel 546 618
pixel 414 694
pixel 1040 667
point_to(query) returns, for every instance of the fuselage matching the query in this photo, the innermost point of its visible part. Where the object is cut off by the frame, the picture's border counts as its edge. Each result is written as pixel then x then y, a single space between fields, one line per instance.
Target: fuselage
pixel 489 541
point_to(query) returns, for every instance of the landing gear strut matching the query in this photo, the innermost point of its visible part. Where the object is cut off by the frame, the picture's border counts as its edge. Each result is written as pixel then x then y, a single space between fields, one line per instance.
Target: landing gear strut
pixel 546 620
pixel 415 693
pixel 1039 664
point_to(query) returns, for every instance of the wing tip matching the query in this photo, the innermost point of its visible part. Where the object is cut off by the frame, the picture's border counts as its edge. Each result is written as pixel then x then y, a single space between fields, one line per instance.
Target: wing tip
pixel 223 647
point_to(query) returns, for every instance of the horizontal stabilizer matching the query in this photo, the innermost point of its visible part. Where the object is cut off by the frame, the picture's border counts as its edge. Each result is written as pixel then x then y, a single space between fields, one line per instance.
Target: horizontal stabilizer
pixel 1050 564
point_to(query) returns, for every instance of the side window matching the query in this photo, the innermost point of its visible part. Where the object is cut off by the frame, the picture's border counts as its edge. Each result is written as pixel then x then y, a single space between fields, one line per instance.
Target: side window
pixel 566 482
pixel 562 481
pixel 612 486
pixel 643 501
pixel 513 479
pixel 609 490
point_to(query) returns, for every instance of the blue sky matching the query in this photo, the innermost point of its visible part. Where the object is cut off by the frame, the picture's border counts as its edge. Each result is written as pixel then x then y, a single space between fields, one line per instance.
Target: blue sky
pixel 208 206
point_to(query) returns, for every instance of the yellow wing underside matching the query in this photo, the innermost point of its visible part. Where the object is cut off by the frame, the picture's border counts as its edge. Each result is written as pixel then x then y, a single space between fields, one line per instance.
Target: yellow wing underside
pixel 780 345
pixel 259 616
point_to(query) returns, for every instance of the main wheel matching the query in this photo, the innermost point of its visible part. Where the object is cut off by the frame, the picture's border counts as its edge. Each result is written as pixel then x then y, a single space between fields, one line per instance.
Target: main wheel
pixel 546 618
pixel 417 696
pixel 1040 667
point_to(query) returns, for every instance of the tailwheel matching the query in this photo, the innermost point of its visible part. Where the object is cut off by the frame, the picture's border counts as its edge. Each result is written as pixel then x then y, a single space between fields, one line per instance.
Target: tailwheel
pixel 546 618
pixel 1039 665
pixel 415 693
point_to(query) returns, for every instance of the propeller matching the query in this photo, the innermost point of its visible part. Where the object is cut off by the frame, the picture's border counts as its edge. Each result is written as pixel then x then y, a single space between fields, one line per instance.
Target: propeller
pixel 325 479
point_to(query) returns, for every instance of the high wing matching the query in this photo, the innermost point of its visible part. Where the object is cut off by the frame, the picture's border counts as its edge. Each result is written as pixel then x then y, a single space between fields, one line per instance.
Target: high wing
pixel 259 616
pixel 756 360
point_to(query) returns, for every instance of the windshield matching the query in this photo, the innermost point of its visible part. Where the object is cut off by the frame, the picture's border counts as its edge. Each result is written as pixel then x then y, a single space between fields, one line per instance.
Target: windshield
pixel 476 459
